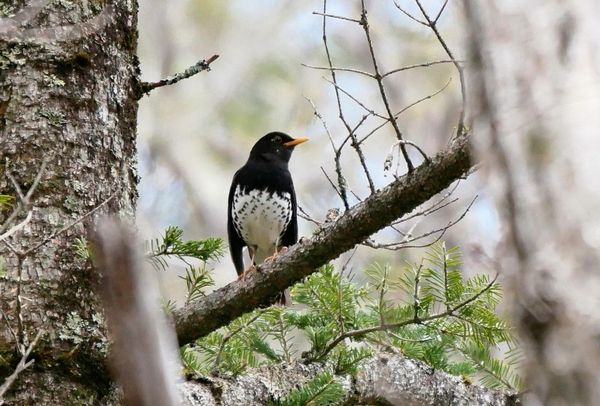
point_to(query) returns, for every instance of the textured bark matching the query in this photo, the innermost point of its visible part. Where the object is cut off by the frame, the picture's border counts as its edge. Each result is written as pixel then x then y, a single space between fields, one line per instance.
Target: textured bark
pixel 67 94
pixel 376 212
pixel 535 94
pixel 382 380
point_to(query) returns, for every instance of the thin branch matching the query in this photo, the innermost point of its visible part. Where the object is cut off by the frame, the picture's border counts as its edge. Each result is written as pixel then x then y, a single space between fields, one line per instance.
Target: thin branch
pixel 416 300
pixel 394 246
pixel 418 65
pixel 338 69
pixel 336 17
pixel 353 98
pixel 434 207
pixel 200 66
pixel 24 200
pixel 422 99
pixel 388 160
pixel 351 132
pixel 21 366
pixel 337 151
pixel 10 329
pixel 463 87
pixel 333 185
pixel 378 78
pixel 445 270
pixel 304 215
pixel 404 109
pixel 439 14
pixel 406 13
pixel 17 227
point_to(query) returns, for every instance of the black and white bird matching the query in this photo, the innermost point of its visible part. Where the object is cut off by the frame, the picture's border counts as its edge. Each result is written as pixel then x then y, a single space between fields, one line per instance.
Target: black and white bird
pixel 261 212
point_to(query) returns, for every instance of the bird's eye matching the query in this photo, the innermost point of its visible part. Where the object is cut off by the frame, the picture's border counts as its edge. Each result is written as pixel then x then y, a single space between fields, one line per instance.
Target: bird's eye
pixel 276 139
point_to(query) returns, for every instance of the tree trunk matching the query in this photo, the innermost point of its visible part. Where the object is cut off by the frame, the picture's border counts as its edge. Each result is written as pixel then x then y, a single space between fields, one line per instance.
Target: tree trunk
pixel 68 97
pixel 536 89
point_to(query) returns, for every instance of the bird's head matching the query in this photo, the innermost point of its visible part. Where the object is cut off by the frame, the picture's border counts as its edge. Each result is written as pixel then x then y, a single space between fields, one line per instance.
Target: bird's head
pixel 275 146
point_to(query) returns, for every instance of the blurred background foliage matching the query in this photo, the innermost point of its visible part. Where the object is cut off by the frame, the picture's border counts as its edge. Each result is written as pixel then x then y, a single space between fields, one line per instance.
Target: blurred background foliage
pixel 195 134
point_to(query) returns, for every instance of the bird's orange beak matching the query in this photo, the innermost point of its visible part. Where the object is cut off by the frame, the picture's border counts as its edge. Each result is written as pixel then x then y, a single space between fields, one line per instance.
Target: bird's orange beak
pixel 295 141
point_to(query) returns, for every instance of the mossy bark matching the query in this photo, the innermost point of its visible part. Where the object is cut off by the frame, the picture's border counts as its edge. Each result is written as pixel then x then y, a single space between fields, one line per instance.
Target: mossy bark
pixel 68 77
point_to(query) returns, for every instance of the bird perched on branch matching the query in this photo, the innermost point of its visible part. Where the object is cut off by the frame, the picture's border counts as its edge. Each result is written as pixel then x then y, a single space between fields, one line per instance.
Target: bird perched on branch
pixel 262 207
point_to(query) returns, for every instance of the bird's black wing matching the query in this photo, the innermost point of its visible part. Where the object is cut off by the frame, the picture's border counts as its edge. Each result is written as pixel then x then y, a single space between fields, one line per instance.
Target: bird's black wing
pixel 290 235
pixel 236 243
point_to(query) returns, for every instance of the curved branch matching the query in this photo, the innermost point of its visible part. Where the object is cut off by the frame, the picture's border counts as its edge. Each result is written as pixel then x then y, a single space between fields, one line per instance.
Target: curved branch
pixel 376 212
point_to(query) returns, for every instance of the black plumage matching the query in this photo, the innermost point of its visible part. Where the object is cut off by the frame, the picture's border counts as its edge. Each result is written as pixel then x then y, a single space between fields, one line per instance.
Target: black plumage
pixel 261 211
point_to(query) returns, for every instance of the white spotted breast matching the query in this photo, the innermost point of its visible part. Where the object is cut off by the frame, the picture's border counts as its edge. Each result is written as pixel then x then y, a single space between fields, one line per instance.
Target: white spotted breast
pixel 260 217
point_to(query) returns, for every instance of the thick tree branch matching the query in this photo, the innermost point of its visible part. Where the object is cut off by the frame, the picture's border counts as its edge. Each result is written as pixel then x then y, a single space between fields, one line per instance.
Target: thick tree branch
pixel 374 213
pixel 383 379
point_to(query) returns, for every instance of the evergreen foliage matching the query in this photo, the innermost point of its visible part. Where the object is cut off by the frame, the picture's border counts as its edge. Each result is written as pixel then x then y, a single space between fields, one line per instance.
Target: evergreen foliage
pixel 196 278
pixel 428 311
pixel 6 200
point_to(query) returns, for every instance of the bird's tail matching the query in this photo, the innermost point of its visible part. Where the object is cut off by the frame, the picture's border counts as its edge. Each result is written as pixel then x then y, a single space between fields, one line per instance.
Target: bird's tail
pixel 284 298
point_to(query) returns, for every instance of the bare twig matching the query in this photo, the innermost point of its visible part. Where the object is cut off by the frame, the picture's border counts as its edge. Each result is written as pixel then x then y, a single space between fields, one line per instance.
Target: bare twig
pixel 409 15
pixel 418 65
pixel 422 99
pixel 333 185
pixel 17 227
pixel 351 131
pixel 416 300
pixel 338 167
pixel 408 238
pixel 24 199
pixel 353 98
pixel 336 17
pixel 21 366
pixel 339 69
pixel 434 207
pixel 432 23
pixel 439 14
pixel 200 66
pixel 303 214
pixel 389 158
pixel 379 79
pixel 10 329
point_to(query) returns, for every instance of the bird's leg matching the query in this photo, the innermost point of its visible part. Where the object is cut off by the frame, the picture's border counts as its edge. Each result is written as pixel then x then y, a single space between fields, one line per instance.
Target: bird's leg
pixel 252 266
pixel 280 250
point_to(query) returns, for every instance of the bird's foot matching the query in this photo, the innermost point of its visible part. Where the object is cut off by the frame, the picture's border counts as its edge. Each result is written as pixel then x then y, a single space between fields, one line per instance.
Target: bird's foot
pixel 244 274
pixel 281 250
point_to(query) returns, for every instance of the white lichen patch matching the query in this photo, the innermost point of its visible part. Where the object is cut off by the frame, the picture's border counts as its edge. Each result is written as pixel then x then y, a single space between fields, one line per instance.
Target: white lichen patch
pixel 53 81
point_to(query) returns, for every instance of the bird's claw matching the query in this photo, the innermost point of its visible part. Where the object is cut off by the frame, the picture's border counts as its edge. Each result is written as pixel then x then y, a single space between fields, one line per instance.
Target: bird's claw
pixel 244 274
pixel 281 250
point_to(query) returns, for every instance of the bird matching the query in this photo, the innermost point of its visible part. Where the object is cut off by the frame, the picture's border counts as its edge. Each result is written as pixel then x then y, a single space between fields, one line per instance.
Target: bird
pixel 261 209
